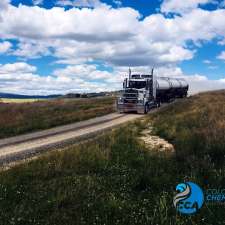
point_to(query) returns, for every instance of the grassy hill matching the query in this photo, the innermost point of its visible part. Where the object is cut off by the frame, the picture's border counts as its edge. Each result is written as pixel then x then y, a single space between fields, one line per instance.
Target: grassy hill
pixel 114 179
pixel 31 116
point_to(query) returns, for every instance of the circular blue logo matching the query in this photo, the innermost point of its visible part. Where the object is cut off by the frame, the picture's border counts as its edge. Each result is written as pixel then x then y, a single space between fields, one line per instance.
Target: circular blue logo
pixel 189 199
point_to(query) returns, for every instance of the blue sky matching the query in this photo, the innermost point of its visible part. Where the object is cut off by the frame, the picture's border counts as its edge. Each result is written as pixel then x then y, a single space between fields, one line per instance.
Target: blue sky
pixel 62 46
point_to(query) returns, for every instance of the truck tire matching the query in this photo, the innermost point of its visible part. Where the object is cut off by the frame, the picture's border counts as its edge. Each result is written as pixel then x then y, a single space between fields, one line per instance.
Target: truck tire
pixel 146 109
pixel 158 103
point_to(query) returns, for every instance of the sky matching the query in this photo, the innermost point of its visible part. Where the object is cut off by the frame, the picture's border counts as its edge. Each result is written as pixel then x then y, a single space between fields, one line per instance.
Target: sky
pixel 64 46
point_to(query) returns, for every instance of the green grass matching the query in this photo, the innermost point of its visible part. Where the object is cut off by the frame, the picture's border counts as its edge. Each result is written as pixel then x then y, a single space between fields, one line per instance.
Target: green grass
pixel 27 117
pixel 114 179
pixel 196 126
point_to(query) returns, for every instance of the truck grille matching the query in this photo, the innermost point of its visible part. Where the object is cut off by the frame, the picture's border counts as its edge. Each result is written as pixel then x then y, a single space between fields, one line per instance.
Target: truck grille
pixel 127 100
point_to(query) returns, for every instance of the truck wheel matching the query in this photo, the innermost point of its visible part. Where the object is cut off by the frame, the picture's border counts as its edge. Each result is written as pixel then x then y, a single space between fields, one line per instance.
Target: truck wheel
pixel 158 104
pixel 146 109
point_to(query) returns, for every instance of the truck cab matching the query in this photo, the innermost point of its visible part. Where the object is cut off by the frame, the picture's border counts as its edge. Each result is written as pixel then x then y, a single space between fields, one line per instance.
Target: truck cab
pixel 139 94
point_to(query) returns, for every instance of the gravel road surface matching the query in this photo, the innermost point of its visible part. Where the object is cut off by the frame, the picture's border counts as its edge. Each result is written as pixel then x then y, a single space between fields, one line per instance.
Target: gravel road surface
pixel 24 146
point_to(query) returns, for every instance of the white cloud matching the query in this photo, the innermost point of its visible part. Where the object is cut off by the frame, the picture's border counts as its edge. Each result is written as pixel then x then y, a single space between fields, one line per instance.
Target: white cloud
pixel 4 4
pixel 22 78
pixel 213 67
pixel 118 3
pixel 179 6
pixel 116 37
pixel 191 26
pixel 80 3
pixel 29 49
pixel 5 47
pixel 221 56
pixel 37 2
pixel 206 61
pixel 120 39
pixel 19 67
pixel 199 83
pixel 221 42
pixel 75 24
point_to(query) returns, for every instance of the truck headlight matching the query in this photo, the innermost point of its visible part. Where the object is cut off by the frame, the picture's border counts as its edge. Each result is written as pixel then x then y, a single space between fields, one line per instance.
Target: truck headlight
pixel 140 100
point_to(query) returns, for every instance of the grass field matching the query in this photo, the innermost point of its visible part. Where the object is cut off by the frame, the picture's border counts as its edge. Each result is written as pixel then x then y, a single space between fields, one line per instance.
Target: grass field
pixel 32 116
pixel 15 100
pixel 116 180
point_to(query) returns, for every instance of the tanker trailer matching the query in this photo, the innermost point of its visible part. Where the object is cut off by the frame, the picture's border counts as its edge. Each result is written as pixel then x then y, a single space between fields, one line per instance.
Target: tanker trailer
pixel 163 89
pixel 141 92
pixel 170 88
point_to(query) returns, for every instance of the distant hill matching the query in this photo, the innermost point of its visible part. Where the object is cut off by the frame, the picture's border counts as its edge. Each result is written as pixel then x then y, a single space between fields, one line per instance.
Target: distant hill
pixel 17 96
pixel 69 95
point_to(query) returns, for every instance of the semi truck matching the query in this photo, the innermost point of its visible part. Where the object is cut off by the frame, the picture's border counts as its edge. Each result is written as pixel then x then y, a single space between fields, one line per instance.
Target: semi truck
pixel 141 92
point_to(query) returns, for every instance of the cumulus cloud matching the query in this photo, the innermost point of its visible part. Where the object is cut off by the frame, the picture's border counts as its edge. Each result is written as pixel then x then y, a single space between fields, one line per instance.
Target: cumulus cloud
pixel 118 3
pixel 31 50
pixel 206 61
pixel 5 47
pixel 19 67
pixel 221 56
pixel 37 2
pixel 120 39
pixel 22 78
pixel 4 4
pixel 202 83
pixel 80 3
pixel 117 37
pixel 178 6
pixel 75 24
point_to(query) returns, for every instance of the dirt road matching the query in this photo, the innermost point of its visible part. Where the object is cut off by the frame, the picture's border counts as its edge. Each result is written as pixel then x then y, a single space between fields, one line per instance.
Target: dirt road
pixel 24 146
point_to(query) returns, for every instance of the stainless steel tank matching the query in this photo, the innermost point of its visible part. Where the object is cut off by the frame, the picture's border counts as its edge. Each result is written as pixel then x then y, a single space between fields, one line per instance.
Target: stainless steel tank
pixel 165 83
pixel 162 84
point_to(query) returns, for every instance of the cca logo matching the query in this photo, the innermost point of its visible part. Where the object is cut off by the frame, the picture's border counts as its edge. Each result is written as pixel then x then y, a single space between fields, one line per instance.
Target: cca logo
pixel 189 199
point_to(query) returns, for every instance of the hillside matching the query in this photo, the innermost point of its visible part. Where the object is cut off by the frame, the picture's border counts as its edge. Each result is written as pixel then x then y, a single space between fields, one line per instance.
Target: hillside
pixel 32 116
pixel 116 179
pixel 17 96
pixel 196 126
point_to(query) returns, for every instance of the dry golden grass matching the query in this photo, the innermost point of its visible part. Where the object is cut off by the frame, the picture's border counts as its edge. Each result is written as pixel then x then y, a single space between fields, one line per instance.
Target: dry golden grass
pixel 113 179
pixel 195 125
pixel 15 100
pixel 26 117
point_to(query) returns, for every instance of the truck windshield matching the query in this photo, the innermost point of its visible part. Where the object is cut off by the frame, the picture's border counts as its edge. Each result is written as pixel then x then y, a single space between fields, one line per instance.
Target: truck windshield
pixel 137 84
